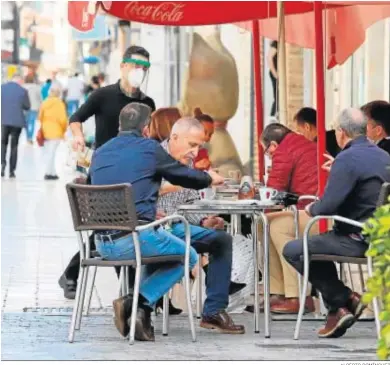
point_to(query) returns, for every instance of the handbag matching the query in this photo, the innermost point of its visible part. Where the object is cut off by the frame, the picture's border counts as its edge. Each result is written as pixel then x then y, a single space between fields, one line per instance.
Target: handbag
pixel 286 198
pixel 40 138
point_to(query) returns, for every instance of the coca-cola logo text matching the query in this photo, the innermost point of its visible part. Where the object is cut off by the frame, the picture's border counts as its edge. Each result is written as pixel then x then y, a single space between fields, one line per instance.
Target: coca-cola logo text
pixel 166 12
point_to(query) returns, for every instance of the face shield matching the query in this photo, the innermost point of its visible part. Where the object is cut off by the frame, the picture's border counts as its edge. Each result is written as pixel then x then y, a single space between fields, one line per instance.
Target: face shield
pixel 138 74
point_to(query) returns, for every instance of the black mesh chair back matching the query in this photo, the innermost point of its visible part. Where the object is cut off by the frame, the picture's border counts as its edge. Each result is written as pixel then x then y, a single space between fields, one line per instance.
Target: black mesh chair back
pixel 102 207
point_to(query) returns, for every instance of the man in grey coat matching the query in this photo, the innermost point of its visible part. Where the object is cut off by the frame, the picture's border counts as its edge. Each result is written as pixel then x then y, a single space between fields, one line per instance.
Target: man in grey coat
pixel 14 101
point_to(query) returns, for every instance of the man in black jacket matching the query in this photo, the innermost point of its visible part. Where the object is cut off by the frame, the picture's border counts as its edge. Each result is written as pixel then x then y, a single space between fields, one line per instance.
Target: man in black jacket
pixel 378 126
pixel 106 104
pixel 352 191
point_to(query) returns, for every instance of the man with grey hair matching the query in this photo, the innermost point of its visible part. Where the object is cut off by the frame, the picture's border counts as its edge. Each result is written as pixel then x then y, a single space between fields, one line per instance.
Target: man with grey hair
pixel 207 235
pixel 130 158
pixel 354 184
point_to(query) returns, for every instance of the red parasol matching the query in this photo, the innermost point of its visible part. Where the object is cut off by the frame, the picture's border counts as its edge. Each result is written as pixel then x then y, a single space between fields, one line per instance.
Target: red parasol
pixel 81 13
pixel 346 24
pixel 345 29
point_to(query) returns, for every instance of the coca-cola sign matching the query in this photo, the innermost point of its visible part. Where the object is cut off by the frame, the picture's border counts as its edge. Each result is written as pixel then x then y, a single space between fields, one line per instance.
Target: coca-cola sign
pixel 165 12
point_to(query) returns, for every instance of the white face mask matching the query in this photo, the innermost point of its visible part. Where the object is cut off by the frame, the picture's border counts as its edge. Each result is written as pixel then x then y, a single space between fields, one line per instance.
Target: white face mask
pixel 136 77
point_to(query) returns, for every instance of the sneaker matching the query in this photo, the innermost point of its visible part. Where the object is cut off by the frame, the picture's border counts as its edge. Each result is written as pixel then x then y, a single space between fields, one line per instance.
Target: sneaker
pixel 337 324
pixel 69 286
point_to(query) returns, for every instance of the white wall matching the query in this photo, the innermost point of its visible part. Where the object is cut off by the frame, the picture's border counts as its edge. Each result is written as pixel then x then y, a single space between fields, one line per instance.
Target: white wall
pixel 153 39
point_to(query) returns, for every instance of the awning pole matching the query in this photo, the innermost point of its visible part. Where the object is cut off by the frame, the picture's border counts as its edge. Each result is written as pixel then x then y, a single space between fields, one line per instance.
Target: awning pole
pixel 282 67
pixel 258 94
pixel 320 86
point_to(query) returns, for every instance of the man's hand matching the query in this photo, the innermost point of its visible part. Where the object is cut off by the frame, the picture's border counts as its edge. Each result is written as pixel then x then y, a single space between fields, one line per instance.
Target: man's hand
pixel 213 223
pixel 160 214
pixel 216 178
pixel 78 143
pixel 328 164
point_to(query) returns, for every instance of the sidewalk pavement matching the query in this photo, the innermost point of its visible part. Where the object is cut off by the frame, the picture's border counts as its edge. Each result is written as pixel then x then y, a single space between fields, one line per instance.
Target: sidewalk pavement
pixel 37 242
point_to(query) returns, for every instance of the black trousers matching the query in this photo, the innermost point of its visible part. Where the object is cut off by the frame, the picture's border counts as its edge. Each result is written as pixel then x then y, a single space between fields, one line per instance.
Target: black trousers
pixel 274 107
pixel 323 274
pixel 7 132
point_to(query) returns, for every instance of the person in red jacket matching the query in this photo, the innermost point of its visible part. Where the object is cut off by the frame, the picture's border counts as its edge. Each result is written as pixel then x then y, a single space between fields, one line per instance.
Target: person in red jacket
pixel 294 170
pixel 202 160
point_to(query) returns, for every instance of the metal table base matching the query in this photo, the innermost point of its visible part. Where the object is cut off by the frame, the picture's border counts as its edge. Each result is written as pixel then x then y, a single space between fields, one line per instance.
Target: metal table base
pixel 257 214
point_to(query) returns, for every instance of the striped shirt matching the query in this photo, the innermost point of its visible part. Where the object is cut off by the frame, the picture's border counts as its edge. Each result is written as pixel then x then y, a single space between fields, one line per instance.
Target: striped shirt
pixel 168 203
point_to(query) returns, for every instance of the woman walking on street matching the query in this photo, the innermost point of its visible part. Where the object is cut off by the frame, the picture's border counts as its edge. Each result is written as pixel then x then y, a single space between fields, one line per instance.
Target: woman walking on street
pixel 53 118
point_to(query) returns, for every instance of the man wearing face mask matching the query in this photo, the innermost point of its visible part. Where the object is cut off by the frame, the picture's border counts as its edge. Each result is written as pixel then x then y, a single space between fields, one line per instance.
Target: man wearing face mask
pixel 107 102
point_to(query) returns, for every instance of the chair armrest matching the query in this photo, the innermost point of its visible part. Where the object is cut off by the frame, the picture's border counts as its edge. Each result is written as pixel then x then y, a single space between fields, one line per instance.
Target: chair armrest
pixel 335 218
pixel 158 222
pixel 308 197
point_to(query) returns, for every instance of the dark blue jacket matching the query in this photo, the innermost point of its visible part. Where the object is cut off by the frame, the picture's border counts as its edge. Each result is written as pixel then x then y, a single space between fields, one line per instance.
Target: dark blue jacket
pixel 354 183
pixel 14 101
pixel 130 158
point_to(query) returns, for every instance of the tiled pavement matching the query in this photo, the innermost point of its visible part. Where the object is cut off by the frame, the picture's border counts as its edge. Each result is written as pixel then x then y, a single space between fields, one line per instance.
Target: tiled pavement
pixel 38 241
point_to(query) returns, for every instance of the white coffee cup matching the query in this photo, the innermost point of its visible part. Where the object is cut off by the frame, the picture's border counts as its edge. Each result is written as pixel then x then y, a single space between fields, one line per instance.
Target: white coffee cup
pixel 267 194
pixel 207 194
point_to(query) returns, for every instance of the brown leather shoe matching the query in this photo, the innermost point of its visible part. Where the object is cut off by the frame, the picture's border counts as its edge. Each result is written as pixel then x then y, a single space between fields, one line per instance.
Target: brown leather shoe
pixel 355 305
pixel 144 331
pixel 337 324
pixel 291 306
pixel 275 298
pixel 223 323
pixel 122 311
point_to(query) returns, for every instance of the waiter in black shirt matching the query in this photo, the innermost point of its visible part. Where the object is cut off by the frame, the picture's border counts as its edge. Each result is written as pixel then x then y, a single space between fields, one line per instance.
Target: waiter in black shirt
pixel 107 102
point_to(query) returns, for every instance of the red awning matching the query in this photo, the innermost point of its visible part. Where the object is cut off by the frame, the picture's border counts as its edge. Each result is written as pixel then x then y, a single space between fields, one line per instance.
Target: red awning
pixel 345 29
pixel 82 13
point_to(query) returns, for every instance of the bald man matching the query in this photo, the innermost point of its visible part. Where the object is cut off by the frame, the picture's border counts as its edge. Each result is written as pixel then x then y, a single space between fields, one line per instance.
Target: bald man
pixel 352 191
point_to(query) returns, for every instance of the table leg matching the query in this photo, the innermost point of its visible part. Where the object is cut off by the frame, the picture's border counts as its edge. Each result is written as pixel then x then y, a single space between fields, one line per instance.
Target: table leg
pixel 266 283
pixel 256 269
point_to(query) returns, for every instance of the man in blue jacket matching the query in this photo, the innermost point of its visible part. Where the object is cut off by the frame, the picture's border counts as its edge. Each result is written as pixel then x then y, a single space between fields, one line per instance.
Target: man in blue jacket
pixel 130 158
pixel 353 188
pixel 14 101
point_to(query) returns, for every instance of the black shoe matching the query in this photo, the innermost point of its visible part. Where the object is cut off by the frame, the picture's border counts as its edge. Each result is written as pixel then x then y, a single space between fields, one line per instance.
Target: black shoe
pixel 12 175
pixel 69 287
pixel 2 171
pixel 144 331
pixel 235 287
pixel 51 177
pixel 122 310
pixel 172 310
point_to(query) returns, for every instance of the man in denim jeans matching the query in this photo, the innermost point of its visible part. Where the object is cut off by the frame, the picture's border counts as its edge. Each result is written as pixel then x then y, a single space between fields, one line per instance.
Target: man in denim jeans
pixel 130 158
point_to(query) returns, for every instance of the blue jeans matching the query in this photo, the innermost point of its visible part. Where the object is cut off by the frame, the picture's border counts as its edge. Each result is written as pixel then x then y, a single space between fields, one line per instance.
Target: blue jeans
pixel 30 121
pixel 157 279
pixel 219 246
pixel 72 105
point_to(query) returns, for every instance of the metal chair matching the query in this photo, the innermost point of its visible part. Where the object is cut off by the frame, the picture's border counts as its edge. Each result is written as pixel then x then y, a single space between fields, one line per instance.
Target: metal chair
pixel 111 207
pixel 295 211
pixel 383 198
